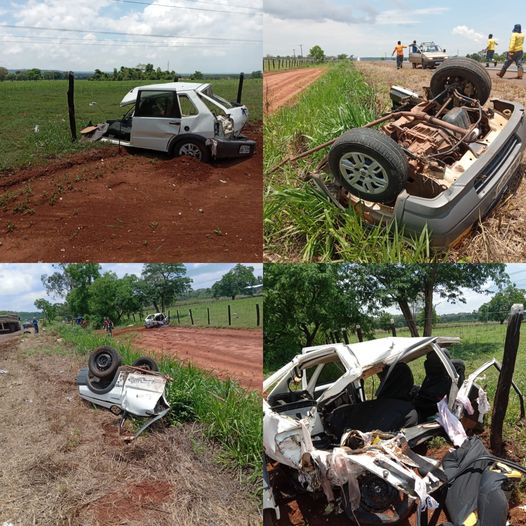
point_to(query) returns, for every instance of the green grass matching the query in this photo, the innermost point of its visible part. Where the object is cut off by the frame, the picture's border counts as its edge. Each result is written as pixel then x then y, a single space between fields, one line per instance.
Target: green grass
pixel 26 104
pixel 300 222
pixel 230 415
pixel 242 311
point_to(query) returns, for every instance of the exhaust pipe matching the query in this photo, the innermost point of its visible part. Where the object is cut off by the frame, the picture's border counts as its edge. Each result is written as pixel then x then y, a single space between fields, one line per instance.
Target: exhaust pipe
pixel 240 87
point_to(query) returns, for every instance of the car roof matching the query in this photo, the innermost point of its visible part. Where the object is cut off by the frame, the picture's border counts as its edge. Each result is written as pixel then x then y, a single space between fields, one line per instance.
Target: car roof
pixel 131 96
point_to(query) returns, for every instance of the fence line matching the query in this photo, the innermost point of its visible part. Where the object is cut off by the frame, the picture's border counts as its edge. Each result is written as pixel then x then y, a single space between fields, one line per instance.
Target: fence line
pixel 282 63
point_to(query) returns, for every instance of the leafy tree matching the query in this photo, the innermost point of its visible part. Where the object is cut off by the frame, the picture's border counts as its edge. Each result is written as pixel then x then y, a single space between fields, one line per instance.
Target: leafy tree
pixel 49 310
pixel 163 282
pixel 256 75
pixel 234 282
pixel 498 308
pixel 342 56
pixel 113 297
pixel 3 73
pixel 317 53
pixel 72 281
pixel 301 302
pixel 197 75
pixel 385 285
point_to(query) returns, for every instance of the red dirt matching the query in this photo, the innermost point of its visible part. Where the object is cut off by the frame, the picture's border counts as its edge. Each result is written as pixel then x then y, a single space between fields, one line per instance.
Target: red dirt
pixel 282 88
pixel 227 353
pixel 109 204
pixel 138 500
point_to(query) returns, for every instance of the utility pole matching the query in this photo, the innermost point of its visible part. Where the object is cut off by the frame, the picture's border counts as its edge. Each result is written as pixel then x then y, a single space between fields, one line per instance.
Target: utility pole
pixel 301 50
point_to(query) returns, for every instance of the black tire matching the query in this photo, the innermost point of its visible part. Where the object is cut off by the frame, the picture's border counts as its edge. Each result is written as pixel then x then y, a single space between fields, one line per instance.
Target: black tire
pixel 146 363
pixel 269 517
pixel 103 362
pixel 192 148
pixel 413 64
pixel 363 150
pixel 470 78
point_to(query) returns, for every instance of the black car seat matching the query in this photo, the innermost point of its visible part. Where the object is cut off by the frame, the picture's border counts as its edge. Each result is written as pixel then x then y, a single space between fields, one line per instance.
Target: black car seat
pixel 398 384
pixel 435 386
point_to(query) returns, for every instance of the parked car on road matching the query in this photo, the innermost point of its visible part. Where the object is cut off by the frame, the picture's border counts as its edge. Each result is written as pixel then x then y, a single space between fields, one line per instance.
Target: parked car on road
pixel 427 55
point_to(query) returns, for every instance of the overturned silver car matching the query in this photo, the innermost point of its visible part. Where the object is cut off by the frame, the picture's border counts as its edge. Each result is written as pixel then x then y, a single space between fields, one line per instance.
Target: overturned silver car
pixel 335 432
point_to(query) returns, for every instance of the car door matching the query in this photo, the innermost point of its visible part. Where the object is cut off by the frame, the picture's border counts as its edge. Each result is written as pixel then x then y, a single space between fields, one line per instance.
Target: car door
pixel 157 118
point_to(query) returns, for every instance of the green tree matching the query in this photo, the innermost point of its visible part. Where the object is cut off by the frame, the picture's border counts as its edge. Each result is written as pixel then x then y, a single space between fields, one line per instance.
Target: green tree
pixel 317 53
pixel 498 308
pixel 385 285
pixel 71 281
pixel 48 309
pixel 302 301
pixel 163 282
pixel 197 75
pixel 3 73
pixel 234 282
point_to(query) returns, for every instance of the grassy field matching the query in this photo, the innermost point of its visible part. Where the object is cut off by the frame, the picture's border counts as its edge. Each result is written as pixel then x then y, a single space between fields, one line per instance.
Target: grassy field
pixel 231 415
pixel 26 104
pixel 300 222
pixel 242 312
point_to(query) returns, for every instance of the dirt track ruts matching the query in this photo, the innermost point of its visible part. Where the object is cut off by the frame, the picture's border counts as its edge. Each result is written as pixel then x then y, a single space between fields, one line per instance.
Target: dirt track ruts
pixel 227 353
pixel 281 88
pixel 109 204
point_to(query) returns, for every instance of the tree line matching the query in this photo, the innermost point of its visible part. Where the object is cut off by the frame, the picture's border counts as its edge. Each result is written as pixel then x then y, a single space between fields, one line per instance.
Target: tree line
pixel 304 303
pixel 139 72
pixel 88 293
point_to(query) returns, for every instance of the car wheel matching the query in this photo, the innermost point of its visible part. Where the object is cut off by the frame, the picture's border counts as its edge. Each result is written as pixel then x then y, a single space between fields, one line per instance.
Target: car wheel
pixel 413 64
pixel 466 75
pixel 146 363
pixel 369 164
pixel 192 148
pixel 103 362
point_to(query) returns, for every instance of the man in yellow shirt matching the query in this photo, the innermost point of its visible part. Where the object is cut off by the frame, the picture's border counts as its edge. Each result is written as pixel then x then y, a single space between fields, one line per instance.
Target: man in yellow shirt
pixel 515 52
pixel 490 49
pixel 399 49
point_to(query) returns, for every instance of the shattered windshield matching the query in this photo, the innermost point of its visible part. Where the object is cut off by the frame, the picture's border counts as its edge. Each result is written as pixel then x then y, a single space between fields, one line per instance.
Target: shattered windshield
pixel 431 48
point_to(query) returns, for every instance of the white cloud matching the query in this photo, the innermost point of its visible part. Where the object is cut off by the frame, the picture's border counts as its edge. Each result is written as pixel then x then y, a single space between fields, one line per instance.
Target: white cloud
pixel 468 32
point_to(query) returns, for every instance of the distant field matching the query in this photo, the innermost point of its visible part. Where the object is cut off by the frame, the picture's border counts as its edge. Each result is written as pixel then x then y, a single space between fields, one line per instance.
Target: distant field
pixel 242 312
pixel 26 104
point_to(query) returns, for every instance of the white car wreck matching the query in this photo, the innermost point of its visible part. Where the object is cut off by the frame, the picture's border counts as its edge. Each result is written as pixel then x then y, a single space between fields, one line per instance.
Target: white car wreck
pixel 328 427
pixel 179 118
pixel 156 320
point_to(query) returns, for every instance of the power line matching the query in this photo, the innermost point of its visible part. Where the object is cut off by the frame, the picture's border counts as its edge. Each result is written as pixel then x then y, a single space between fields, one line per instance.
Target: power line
pixel 116 43
pixel 195 8
pixel 98 32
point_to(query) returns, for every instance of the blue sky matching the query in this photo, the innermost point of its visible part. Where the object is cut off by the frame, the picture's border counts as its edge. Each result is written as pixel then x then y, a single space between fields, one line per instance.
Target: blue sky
pixel 372 28
pixel 224 35
pixel 20 283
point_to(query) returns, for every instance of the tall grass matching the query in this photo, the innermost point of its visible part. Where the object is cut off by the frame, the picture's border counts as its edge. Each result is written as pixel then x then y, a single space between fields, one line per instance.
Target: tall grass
pixel 230 415
pixel 300 222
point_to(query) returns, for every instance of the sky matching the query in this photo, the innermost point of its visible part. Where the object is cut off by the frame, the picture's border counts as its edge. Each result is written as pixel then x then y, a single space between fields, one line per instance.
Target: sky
pixel 222 36
pixel 20 284
pixel 372 28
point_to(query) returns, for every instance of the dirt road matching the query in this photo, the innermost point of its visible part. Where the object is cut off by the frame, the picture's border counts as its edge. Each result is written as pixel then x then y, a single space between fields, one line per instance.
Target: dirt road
pixel 110 204
pixel 67 465
pixel 282 88
pixel 227 353
pixel 502 236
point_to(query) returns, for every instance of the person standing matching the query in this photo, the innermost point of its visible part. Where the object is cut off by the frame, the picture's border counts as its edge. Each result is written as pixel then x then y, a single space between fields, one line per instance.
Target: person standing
pixel 414 47
pixel 108 326
pixel 399 50
pixel 490 49
pixel 35 325
pixel 515 52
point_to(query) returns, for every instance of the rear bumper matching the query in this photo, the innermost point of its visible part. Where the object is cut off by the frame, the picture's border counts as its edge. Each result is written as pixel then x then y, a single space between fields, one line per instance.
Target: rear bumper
pixel 452 213
pixel 232 148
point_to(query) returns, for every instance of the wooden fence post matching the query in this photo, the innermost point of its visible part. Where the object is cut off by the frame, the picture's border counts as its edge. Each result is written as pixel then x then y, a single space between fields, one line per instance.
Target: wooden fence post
pixel 71 106
pixel 178 319
pixel 229 316
pixel 345 336
pixel 191 316
pixel 393 328
pixel 500 403
pixel 258 318
pixel 359 333
pixel 208 313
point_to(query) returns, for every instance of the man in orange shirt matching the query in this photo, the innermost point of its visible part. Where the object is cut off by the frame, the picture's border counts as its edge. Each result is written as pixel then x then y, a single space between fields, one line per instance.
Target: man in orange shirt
pixel 399 49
